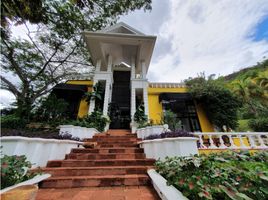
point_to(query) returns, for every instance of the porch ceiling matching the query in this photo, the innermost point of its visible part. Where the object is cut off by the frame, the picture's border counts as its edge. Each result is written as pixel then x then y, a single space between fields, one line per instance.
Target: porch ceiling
pixel 122 47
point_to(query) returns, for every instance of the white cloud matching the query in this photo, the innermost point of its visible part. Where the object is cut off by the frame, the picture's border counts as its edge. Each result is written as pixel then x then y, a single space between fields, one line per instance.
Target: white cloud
pixel 211 36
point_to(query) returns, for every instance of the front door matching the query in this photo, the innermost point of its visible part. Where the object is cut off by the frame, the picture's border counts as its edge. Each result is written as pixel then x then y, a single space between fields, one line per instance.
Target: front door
pixel 119 108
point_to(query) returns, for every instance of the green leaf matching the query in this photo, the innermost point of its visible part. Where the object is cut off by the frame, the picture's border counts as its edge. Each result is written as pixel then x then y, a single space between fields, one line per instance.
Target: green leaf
pixel 243 196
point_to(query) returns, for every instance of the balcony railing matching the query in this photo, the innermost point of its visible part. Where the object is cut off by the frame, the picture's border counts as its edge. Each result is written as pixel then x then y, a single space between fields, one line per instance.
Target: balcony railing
pixel 233 140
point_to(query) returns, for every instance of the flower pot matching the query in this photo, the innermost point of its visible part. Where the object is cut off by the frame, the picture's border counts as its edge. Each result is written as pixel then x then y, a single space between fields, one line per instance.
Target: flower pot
pixel 25 192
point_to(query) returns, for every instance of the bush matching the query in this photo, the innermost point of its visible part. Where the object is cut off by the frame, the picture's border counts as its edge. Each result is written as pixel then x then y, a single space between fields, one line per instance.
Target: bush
pixel 171 119
pixel 66 136
pixel 12 121
pixel 94 120
pixel 14 170
pixel 259 124
pixel 140 117
pixel 221 105
pixel 227 175
pixel 172 134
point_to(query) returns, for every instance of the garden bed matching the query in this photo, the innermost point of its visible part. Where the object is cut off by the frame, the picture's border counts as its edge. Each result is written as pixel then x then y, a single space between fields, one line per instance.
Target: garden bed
pixel 218 176
pixel 41 133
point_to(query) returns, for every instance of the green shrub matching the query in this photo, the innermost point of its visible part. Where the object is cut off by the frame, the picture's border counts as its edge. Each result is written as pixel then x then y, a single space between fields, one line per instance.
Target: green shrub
pixel 243 126
pixel 94 120
pixel 259 124
pixel 14 170
pixel 12 121
pixel 227 175
pixel 140 117
pixel 171 119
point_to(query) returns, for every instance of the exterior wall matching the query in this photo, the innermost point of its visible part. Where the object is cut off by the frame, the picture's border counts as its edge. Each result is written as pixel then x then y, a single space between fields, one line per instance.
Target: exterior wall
pixel 206 125
pixel 156 110
pixel 83 107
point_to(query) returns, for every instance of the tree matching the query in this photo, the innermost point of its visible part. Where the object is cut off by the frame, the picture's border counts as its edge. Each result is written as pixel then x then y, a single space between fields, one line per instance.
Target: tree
pixel 220 105
pixel 54 48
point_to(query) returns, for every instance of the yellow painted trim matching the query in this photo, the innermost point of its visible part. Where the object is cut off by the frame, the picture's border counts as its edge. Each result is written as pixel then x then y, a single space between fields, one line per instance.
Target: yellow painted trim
pixel 206 125
pixel 83 106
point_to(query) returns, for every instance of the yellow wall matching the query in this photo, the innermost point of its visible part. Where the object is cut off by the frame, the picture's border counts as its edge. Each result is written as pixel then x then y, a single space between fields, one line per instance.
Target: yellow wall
pixel 205 124
pixel 156 111
pixel 83 107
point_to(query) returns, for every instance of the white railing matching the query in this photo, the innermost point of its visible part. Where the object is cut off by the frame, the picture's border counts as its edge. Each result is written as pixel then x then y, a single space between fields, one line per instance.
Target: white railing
pixel 233 140
pixel 166 85
pixel 151 130
pixel 37 150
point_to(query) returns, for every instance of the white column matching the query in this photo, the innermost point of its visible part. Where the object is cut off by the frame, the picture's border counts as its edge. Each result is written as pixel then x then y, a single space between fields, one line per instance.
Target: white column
pixel 145 100
pixel 98 65
pixel 133 68
pixel 110 63
pixel 106 97
pixel 133 102
pixel 92 101
pixel 143 70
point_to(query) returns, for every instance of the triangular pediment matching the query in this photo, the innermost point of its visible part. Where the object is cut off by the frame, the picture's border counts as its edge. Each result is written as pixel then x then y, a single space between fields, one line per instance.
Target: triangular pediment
pixel 121 28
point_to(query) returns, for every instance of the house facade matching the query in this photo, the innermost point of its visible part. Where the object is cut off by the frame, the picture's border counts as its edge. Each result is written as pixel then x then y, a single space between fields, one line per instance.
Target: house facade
pixel 121 56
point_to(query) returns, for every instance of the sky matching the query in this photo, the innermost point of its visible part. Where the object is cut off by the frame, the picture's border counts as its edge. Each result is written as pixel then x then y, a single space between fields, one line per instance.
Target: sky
pixel 194 36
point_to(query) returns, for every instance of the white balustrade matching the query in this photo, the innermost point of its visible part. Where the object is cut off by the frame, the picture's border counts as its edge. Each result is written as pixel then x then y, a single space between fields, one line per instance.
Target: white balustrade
pixel 236 140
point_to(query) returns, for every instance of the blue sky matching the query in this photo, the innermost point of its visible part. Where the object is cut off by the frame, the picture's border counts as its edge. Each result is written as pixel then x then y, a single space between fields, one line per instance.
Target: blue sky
pixel 262 30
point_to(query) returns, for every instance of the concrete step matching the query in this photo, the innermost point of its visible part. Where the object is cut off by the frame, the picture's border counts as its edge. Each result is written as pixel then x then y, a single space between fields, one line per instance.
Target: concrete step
pixel 108 150
pixel 96 171
pixel 107 162
pixel 98 156
pixel 95 181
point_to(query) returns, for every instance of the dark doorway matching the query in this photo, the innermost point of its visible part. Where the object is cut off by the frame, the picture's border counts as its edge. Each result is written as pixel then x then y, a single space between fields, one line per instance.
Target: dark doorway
pixel 72 94
pixel 119 108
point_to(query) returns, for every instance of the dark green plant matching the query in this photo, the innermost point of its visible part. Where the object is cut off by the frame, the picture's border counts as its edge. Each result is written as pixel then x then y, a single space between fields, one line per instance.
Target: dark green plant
pixel 140 117
pixel 14 170
pixel 95 120
pixel 13 122
pixel 225 176
pixel 259 125
pixel 220 105
pixel 170 118
pixel 96 94
pixel 51 109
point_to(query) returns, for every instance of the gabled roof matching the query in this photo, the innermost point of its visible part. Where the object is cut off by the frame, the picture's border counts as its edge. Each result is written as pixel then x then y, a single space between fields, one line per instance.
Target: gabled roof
pixel 121 28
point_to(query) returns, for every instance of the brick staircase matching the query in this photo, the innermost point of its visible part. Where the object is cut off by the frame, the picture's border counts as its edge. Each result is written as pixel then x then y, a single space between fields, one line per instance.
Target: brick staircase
pixel 115 161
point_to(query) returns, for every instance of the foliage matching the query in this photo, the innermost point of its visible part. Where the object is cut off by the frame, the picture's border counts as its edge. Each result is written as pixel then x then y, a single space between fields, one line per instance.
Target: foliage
pixel 218 176
pixel 14 170
pixel 140 117
pixel 259 125
pixel 66 136
pixel 243 126
pixel 171 119
pixel 54 49
pixel 96 94
pixel 12 121
pixel 51 109
pixel 251 86
pixel 220 105
pixel 172 134
pixel 94 120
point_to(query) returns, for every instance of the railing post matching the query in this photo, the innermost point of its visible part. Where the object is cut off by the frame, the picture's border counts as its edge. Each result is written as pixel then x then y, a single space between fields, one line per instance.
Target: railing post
pixel 262 145
pixel 212 145
pixel 222 145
